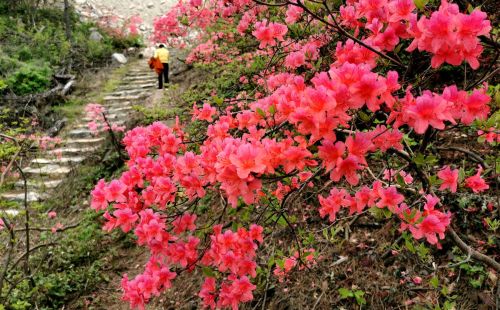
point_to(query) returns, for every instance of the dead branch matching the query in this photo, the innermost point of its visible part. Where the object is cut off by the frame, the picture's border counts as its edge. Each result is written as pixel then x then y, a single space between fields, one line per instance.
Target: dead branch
pixel 473 253
pixel 37 99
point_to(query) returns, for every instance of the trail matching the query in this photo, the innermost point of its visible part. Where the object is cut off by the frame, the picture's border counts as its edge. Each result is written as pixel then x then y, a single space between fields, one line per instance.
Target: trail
pixel 52 167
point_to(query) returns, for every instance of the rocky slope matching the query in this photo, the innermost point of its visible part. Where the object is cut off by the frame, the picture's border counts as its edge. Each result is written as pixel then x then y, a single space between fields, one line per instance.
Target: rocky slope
pixel 123 9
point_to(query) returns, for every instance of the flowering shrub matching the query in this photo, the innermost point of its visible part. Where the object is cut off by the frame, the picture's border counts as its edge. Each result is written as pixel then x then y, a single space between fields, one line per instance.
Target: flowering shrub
pixel 334 97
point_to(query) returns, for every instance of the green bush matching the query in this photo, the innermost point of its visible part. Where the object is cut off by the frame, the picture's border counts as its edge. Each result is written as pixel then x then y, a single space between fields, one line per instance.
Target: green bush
pixel 30 78
pixel 7 64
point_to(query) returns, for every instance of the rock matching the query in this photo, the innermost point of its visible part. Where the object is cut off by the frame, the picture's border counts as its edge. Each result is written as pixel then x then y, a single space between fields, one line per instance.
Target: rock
pixel 119 58
pixel 131 51
pixel 150 5
pixel 54 130
pixel 148 52
pixel 96 36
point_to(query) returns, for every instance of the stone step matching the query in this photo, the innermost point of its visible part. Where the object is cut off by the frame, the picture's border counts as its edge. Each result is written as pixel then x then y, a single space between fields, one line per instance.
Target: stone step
pixel 119 104
pixel 84 142
pixel 38 185
pixel 62 160
pixel 140 78
pixel 119 110
pixel 109 117
pixel 11 212
pixel 85 125
pixel 138 84
pixel 130 92
pixel 83 132
pixel 74 151
pixel 141 68
pixel 135 86
pixel 145 70
pixel 52 171
pixel 125 98
pixel 18 196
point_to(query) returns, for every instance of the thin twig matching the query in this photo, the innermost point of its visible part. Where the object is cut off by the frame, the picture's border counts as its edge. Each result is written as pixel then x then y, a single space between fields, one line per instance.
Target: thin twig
pixel 473 253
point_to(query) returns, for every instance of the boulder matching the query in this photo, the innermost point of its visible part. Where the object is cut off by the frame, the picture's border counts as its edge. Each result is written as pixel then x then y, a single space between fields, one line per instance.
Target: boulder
pixel 119 58
pixel 95 36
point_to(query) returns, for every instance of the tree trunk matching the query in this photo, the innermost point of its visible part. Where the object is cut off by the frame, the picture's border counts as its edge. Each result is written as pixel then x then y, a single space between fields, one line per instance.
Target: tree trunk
pixel 67 20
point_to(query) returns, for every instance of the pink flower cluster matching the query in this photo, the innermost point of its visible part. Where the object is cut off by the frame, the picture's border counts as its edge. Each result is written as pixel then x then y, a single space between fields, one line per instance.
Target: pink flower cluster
pixel 98 123
pixel 298 124
pixel 450 36
pixel 429 224
pixel 302 54
pixel 289 263
pixel 491 135
pixel 232 253
pixel 433 110
pixel 269 33
pixel 156 278
pixel 206 113
pixel 152 180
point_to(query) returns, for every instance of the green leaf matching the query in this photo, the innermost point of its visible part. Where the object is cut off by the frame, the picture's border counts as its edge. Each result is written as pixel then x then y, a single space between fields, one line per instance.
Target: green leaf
pixel 325 234
pixel 419 159
pixel 272 109
pixel 400 180
pixel 377 213
pixel 434 282
pixel 358 294
pixel 282 221
pixel 422 250
pixel 387 213
pixel 271 262
pixel 444 291
pixel 218 101
pixel 207 271
pixel 261 112
pixel 461 175
pixel 420 4
pixel 409 245
pixel 345 293
pixel 364 117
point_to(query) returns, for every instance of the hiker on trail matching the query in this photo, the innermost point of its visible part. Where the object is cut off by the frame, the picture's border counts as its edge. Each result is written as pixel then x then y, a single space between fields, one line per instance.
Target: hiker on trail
pixel 162 54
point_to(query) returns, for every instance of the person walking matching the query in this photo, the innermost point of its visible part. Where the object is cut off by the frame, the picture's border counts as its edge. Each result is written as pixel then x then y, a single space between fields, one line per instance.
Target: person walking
pixel 163 55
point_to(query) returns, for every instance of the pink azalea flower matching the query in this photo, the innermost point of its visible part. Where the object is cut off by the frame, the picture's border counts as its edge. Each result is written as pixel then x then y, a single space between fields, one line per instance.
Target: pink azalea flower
pixel 449 178
pixel 476 182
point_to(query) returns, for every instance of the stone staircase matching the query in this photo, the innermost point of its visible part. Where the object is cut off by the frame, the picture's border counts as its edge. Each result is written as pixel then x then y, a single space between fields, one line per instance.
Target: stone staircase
pixel 50 168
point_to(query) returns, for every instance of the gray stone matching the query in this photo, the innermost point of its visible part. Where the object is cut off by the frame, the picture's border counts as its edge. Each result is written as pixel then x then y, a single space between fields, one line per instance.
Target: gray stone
pixel 80 133
pixel 96 36
pixel 37 185
pixel 48 170
pixel 84 142
pixel 69 151
pixel 119 58
pixel 62 160
pixel 19 196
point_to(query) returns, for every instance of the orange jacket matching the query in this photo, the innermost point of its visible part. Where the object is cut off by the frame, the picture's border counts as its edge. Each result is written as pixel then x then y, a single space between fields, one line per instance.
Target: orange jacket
pixel 155 63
